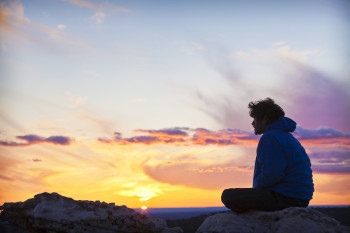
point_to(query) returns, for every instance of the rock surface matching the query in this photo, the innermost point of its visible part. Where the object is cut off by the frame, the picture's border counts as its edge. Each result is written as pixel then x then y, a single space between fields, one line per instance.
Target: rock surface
pixel 53 213
pixel 291 220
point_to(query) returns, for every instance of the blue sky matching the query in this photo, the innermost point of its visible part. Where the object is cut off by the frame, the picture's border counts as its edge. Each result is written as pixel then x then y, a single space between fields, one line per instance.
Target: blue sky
pixel 158 54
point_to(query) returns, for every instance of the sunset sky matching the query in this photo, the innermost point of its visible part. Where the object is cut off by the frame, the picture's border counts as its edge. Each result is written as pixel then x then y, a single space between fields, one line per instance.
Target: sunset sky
pixel 144 103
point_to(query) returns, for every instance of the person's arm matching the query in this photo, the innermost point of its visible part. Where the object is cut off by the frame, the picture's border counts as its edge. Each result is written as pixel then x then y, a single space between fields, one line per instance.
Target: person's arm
pixel 272 162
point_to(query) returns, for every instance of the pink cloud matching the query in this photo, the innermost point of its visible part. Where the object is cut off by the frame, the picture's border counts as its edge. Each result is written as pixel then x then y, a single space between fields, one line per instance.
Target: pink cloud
pixel 236 173
pixel 199 176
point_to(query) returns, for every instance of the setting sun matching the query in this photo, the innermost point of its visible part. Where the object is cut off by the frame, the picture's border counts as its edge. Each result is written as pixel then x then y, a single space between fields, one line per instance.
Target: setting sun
pixel 144 207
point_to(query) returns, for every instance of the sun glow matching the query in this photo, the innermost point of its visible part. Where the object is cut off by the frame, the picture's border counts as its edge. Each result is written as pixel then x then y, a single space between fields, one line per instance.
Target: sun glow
pixel 144 207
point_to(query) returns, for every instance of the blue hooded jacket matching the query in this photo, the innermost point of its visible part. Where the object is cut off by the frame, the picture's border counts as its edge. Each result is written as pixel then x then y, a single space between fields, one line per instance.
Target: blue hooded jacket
pixel 282 164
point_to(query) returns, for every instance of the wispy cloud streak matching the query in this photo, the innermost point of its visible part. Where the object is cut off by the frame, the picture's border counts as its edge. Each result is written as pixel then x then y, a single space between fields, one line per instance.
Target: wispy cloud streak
pixel 32 139
pixel 319 100
pixel 101 8
pixel 14 24
pixel 314 98
pixel 97 6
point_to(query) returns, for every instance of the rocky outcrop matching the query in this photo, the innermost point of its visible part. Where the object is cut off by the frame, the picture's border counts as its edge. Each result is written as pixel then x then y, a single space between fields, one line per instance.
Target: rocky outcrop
pixel 53 213
pixel 291 220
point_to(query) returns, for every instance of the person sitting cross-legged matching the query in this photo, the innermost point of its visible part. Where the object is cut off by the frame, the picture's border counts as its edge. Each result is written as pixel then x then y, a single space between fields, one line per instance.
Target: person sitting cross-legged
pixel 282 173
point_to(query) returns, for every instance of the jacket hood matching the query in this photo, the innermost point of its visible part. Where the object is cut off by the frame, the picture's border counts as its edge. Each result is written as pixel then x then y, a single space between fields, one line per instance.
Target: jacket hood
pixel 283 123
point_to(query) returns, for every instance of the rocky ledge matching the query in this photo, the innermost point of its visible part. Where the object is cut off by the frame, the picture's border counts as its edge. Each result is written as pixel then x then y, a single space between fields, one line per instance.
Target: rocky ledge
pixel 290 220
pixel 53 213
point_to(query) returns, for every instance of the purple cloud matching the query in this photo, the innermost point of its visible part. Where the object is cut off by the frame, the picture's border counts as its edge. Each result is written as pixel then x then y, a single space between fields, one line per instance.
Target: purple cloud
pixel 30 139
pixel 143 139
pixel 61 140
pixel 176 131
pixel 35 139
pixel 322 133
pixel 331 168
pixel 330 161
pixel 318 100
pixel 331 156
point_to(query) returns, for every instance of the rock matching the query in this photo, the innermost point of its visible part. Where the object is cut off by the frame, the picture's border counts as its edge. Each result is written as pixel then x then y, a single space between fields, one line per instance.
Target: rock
pixel 53 213
pixel 6 227
pixel 290 220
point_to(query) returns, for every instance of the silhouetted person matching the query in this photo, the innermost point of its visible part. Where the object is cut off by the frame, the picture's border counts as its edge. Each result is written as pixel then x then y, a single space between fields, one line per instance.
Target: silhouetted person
pixel 282 173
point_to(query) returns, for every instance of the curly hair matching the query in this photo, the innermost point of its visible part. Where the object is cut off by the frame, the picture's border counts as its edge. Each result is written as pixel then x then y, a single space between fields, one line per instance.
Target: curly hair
pixel 265 109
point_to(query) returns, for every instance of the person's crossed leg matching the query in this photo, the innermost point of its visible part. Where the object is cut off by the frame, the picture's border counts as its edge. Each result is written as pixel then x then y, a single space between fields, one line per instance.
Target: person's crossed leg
pixel 244 199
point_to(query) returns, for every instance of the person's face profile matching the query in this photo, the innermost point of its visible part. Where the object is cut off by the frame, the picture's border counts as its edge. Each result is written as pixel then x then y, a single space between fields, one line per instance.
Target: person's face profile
pixel 259 126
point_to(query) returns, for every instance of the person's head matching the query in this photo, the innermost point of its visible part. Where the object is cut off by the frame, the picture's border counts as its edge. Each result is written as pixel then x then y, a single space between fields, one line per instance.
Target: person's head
pixel 264 113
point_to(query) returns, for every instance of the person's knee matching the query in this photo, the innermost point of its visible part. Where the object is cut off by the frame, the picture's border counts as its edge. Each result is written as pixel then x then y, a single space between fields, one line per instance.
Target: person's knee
pixel 225 196
pixel 229 200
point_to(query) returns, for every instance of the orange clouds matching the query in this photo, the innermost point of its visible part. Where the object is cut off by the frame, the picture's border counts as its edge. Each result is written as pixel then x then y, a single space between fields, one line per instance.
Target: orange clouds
pixel 164 164
pixel 327 148
pixel 185 137
pixel 226 137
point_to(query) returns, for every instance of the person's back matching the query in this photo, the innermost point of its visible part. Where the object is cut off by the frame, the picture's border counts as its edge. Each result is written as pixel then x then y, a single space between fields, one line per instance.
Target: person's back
pixel 296 176
pixel 282 174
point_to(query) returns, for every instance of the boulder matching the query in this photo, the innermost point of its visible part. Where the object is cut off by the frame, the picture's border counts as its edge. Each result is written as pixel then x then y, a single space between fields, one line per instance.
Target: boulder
pixel 290 220
pixel 53 213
